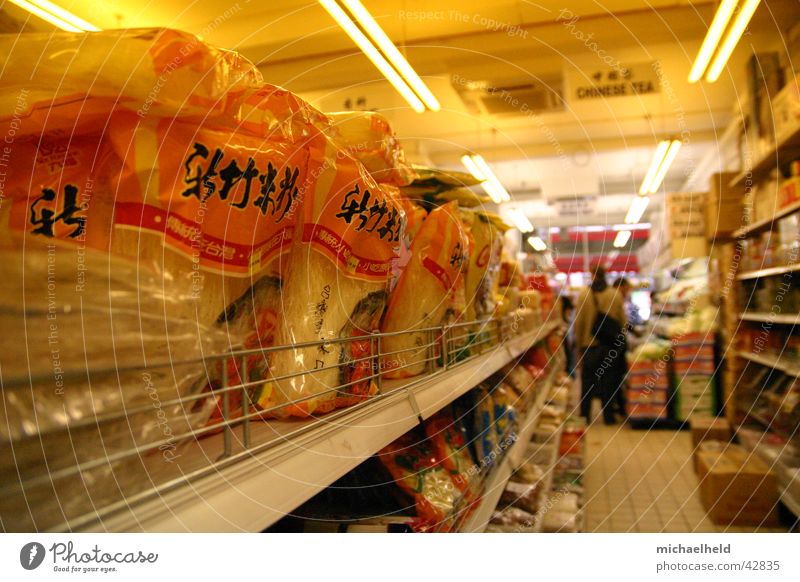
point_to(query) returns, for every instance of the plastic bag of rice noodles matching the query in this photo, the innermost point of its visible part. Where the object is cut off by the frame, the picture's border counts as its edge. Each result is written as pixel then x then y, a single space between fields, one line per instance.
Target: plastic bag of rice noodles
pixel 369 138
pixel 159 72
pixel 423 292
pixel 483 269
pixel 167 149
pixel 339 269
pixel 449 440
pixel 430 181
pixel 92 365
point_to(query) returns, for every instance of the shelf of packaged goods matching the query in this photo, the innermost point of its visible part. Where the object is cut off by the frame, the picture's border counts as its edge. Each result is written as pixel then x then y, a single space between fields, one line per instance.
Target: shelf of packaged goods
pixel 785 478
pixel 769 272
pixel 667 309
pixel 767 223
pixel 785 151
pixel 771 362
pixel 252 488
pixel 497 480
pixel 770 318
pixel 555 439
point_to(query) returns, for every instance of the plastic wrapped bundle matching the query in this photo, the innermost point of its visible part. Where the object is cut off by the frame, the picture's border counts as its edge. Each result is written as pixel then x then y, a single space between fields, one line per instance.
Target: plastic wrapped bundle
pixel 483 268
pixel 415 467
pixel 423 293
pixel 339 270
pixel 175 152
pixel 92 366
pixel 369 138
pixel 449 441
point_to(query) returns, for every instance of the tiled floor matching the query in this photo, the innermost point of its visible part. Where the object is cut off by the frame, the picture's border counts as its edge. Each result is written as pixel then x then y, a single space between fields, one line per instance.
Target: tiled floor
pixel 643 481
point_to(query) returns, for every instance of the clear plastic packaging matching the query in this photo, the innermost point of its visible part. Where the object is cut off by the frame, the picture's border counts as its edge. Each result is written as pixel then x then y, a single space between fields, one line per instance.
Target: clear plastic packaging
pixel 92 367
pixel 369 138
pixel 422 296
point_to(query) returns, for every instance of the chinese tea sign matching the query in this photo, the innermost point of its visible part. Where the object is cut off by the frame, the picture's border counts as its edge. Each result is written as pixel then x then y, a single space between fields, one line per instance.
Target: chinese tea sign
pixel 628 81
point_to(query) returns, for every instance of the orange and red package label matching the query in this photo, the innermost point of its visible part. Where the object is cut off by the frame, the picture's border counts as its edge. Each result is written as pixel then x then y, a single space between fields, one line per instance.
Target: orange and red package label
pixel 227 200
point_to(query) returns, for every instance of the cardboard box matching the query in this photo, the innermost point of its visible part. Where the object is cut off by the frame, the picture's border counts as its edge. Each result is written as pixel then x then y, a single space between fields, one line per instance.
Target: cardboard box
pixel 736 487
pixel 724 207
pixel 691 247
pixel 709 428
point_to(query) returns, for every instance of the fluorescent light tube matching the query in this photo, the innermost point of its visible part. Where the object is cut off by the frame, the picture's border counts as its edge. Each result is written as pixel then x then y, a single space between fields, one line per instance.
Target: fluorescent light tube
pixel 378 36
pixel 489 174
pixel 622 239
pixel 714 34
pixel 731 39
pixel 655 163
pixel 373 54
pixel 55 15
pixel 472 168
pixel 639 226
pixel 669 157
pixel 537 243
pixel 636 211
pixel 520 220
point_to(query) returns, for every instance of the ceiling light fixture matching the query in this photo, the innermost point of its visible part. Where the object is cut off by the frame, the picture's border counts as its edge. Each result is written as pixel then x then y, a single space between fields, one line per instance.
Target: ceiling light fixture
pixel 662 160
pixel 478 167
pixel 358 23
pixel 711 43
pixel 731 39
pixel 622 239
pixel 713 36
pixel 636 211
pixel 537 243
pixel 55 15
pixel 519 220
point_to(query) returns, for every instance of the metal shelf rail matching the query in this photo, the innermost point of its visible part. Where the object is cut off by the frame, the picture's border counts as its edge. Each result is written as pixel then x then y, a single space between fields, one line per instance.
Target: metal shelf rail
pixel 224 465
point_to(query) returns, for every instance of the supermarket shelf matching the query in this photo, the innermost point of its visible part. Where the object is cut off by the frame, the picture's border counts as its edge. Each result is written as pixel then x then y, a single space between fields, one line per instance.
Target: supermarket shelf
pixel 496 483
pixel 548 480
pixel 767 223
pixel 790 502
pixel 771 362
pixel 770 272
pixel 783 152
pixel 770 318
pixel 255 487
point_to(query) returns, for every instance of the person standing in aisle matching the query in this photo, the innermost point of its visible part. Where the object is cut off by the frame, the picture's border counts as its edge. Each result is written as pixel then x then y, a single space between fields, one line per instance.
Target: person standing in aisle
pixel 567 311
pixel 599 325
pixel 619 367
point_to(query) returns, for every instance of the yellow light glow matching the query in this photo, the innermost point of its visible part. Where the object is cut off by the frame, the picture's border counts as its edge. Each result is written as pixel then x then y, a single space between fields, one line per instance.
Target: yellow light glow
pixel 55 15
pixel 731 39
pixel 490 176
pixel 373 54
pixel 378 36
pixel 636 211
pixel 537 243
pixel 669 157
pixel 622 238
pixel 472 168
pixel 718 25
pixel 655 163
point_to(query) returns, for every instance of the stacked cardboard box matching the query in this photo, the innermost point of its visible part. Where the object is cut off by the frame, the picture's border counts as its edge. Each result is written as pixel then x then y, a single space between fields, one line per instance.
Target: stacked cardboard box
pixel 736 487
pixel 686 224
pixel 693 366
pixel 648 390
pixel 724 207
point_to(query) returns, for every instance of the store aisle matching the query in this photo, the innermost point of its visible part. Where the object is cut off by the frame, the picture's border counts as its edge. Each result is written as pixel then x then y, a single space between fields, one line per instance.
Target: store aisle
pixel 644 481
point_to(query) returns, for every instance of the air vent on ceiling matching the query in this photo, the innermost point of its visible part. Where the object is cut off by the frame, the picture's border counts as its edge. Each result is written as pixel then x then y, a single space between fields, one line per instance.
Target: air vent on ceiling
pixel 512 98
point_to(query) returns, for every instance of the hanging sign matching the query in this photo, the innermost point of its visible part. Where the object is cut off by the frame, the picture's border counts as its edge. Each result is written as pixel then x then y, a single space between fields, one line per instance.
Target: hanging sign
pixel 620 81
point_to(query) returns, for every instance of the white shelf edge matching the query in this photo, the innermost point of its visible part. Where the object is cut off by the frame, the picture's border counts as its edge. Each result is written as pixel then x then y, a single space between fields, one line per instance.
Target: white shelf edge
pixel 768 317
pixel 771 362
pixel 479 519
pixel 240 497
pixel 768 272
